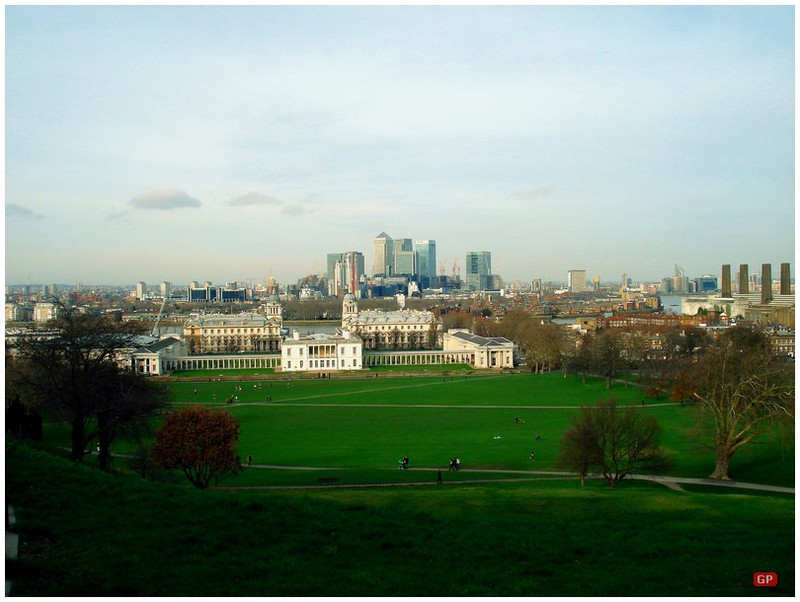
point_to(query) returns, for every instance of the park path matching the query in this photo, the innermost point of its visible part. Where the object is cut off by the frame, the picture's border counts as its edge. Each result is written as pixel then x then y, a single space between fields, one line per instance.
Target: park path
pixel 525 475
pixel 427 405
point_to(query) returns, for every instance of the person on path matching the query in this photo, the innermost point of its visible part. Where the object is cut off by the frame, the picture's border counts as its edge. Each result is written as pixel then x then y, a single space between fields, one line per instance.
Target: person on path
pixel 439 477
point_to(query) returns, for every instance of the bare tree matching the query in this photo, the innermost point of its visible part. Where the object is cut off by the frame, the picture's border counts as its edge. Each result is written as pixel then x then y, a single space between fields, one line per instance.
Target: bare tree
pixel 74 374
pixel 614 441
pixel 607 354
pixel 744 390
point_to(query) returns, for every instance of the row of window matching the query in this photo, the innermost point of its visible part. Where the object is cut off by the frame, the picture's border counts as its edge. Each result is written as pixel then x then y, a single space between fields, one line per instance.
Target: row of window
pixel 323 364
pixel 210 332
pixel 331 349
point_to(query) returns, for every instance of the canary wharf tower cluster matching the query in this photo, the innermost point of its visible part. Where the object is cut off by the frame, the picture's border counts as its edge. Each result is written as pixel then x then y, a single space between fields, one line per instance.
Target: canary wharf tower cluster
pixel 405 265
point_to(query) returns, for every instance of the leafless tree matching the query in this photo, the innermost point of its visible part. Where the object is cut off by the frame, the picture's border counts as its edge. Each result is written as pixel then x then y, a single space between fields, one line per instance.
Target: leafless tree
pixel 743 390
pixel 614 441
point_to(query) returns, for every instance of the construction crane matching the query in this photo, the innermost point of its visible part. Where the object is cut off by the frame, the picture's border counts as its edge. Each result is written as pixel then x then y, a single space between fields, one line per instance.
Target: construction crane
pixel 158 319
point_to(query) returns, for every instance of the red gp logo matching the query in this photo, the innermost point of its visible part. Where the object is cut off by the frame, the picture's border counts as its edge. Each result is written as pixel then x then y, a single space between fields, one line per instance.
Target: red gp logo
pixel 765 579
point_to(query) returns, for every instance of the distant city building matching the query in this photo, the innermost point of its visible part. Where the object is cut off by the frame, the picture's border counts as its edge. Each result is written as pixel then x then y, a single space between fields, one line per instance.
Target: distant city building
pixel 576 281
pixel 383 258
pixel 426 262
pixel 321 352
pixel 141 291
pixel 478 267
pixel 345 273
pixel 165 289
pixel 208 292
pixel 705 284
pixel 44 312
pixel 405 264
pixel 17 313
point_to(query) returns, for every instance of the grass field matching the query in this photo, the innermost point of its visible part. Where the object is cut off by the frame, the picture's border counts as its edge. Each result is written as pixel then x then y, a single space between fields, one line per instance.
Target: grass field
pixel 83 533
pixel 371 422
pixel 503 526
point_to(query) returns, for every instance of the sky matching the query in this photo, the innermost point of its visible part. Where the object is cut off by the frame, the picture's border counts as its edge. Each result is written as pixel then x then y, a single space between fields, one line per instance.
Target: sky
pixel 240 143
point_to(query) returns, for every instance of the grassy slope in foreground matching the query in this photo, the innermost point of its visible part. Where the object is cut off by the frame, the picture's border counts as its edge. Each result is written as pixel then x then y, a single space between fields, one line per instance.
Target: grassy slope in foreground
pixel 88 533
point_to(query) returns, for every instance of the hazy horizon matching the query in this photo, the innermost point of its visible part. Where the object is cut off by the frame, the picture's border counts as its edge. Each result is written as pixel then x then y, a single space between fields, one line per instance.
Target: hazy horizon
pixel 241 143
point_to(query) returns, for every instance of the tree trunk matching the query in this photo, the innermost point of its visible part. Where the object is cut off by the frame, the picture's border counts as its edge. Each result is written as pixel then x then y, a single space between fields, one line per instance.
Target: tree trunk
pixel 721 469
pixel 78 440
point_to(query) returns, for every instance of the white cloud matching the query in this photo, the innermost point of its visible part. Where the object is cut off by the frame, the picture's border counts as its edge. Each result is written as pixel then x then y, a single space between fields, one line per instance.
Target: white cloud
pixel 252 199
pixel 164 199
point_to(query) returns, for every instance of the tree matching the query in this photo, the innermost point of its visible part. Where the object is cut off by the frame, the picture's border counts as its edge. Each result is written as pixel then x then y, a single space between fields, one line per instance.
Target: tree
pixel 200 442
pixel 743 389
pixel 614 441
pixel 125 409
pixel 607 354
pixel 73 373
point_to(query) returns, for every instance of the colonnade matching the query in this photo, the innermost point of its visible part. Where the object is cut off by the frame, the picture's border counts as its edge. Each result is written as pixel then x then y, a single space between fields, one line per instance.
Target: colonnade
pixel 417 358
pixel 373 358
pixel 221 362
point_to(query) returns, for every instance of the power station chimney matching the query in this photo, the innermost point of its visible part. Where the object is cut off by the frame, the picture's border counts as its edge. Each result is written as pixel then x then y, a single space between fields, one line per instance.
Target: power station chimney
pixel 766 283
pixel 786 285
pixel 726 280
pixel 744 279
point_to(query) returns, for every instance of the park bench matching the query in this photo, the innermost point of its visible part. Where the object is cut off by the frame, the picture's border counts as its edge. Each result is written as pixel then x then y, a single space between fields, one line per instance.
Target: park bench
pixel 328 480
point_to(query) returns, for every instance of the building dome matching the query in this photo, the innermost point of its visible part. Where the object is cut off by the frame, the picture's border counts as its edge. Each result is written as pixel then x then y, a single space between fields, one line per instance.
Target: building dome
pixel 349 297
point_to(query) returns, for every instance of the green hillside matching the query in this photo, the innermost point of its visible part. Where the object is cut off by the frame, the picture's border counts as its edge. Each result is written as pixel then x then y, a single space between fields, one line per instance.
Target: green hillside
pixel 84 532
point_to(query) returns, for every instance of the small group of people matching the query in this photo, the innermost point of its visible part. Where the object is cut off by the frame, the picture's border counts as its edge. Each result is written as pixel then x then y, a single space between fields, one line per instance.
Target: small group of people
pixel 518 420
pixel 403 464
pixel 455 464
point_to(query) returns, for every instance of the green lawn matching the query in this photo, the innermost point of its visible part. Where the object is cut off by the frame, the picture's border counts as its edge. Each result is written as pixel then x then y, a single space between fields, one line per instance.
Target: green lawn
pixel 86 533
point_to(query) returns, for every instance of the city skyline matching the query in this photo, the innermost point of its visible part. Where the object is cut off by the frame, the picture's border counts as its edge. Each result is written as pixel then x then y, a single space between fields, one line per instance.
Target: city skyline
pixel 227 144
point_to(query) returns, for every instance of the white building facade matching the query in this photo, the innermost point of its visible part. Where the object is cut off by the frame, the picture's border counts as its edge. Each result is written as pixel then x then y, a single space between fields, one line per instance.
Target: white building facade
pixel 321 353
pixel 248 332
pixel 392 330
pixel 490 352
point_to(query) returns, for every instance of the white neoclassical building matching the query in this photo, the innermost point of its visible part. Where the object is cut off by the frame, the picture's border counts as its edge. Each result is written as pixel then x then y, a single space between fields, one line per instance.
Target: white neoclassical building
pixel 490 352
pixel 321 352
pixel 392 330
pixel 153 355
pixel 249 332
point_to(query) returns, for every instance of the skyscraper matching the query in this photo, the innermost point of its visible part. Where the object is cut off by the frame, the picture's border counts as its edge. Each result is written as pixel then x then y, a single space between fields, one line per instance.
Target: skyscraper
pixel 426 261
pixel 478 268
pixel 383 260
pixel 344 272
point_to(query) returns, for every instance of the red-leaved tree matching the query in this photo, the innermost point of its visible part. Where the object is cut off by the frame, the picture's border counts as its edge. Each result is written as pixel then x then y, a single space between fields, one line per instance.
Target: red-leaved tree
pixel 200 442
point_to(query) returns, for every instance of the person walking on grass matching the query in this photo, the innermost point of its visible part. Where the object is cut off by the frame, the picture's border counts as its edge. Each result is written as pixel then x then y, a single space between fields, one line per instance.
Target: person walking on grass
pixel 533 455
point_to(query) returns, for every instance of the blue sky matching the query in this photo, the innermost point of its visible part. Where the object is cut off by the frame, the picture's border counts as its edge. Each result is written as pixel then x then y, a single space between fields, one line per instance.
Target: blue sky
pixel 207 143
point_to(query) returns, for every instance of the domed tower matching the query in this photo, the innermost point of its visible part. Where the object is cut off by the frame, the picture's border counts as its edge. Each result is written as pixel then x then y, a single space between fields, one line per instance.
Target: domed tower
pixel 349 309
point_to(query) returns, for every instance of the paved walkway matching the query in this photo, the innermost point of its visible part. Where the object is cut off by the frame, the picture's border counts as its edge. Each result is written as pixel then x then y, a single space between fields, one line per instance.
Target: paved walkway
pixel 525 475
